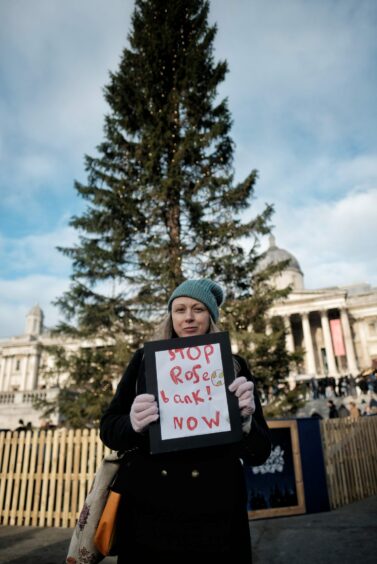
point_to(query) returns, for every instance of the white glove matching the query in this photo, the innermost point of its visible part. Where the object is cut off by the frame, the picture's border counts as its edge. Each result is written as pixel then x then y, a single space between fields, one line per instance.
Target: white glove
pixel 244 390
pixel 144 411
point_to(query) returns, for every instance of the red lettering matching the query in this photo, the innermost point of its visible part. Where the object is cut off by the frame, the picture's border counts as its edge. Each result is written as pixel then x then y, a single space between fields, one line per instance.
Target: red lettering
pixel 195 369
pixel 208 351
pixel 174 352
pixel 189 375
pixel 175 373
pixel 196 397
pixel 177 399
pixel 164 397
pixel 192 423
pixel 193 374
pixel 191 355
pixel 212 421
pixel 178 422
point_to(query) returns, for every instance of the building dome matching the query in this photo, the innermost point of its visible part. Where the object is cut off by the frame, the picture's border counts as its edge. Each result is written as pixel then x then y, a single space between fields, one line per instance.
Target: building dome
pixel 274 255
pixel 292 275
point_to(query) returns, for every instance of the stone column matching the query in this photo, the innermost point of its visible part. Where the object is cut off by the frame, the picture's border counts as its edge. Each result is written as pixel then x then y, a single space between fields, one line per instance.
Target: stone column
pixel 7 373
pixel 33 371
pixel 290 346
pixel 2 374
pixel 25 364
pixel 364 344
pixel 289 342
pixel 348 341
pixel 333 371
pixel 308 343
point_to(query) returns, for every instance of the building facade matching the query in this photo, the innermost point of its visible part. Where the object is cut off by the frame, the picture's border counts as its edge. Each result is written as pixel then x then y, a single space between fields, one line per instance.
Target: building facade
pixel 23 360
pixel 335 327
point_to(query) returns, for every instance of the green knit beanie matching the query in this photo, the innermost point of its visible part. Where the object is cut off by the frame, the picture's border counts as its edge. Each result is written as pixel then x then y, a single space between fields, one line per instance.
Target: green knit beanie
pixel 204 290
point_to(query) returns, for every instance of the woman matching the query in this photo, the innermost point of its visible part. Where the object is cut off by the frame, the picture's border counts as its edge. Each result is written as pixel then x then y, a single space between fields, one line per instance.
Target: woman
pixel 188 505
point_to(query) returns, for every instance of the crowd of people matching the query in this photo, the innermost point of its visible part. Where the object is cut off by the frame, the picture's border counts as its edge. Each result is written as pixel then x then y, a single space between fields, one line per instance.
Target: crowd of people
pixel 347 396
pixel 348 385
pixel 329 387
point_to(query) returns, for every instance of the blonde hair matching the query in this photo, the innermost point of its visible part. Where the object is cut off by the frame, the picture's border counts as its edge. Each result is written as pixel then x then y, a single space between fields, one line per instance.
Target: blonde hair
pixel 165 329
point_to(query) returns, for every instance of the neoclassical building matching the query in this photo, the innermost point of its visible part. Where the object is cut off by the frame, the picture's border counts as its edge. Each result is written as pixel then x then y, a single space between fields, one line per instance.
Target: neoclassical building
pixel 336 327
pixel 21 375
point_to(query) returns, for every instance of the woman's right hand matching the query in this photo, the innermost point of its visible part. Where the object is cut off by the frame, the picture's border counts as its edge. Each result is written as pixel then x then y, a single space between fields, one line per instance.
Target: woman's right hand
pixel 144 411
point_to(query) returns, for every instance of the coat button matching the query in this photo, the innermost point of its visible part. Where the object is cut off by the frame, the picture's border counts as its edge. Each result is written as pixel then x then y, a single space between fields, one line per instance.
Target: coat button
pixel 164 472
pixel 195 473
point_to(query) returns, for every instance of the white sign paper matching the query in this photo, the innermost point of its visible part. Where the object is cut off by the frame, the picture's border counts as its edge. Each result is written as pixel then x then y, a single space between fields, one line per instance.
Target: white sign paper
pixel 191 391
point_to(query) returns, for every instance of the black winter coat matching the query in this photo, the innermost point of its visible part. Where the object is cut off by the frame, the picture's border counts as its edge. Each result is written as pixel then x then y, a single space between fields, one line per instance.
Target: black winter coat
pixel 182 506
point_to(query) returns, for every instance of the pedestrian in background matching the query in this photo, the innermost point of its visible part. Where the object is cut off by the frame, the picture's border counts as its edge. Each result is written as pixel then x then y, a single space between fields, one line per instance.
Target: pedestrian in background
pixel 354 410
pixel 343 411
pixel 333 412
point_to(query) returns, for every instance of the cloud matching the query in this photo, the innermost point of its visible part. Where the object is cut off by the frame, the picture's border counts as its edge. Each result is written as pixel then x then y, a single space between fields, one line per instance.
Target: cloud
pixel 298 50
pixel 56 58
pixel 301 87
pixel 19 295
pixel 36 253
pixel 33 271
pixel 334 244
pixel 286 180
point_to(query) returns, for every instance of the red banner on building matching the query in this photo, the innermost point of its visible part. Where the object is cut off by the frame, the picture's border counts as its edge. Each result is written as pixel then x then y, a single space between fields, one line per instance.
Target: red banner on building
pixel 337 337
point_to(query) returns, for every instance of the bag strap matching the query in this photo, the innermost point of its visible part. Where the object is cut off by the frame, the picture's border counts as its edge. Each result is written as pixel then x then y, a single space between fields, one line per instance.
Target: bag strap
pixel 138 379
pixel 124 455
pixel 237 366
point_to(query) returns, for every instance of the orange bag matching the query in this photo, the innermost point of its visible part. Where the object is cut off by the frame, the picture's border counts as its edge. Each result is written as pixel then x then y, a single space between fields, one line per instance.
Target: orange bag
pixel 105 532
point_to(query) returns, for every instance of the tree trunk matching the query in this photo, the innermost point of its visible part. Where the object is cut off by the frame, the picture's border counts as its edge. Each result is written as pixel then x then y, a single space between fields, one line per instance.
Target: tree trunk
pixel 175 250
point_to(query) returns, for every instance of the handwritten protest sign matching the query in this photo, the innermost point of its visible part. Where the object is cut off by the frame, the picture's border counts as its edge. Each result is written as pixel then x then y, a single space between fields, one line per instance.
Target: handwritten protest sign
pixel 191 391
pixel 190 378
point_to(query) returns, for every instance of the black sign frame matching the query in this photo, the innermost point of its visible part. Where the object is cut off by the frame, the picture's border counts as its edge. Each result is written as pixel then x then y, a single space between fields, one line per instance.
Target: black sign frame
pixel 159 445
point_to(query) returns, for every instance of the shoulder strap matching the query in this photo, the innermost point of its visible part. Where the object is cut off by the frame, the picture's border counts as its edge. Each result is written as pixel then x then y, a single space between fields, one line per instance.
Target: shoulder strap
pixel 237 366
pixel 137 381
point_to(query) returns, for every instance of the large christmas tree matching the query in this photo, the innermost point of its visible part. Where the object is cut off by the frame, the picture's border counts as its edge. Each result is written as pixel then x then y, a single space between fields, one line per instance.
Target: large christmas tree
pixel 162 202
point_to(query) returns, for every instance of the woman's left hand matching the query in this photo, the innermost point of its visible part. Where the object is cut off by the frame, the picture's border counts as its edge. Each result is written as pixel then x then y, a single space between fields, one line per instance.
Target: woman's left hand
pixel 244 390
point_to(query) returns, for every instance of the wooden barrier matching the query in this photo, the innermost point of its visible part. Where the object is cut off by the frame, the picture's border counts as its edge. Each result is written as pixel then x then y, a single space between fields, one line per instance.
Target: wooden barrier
pixel 45 475
pixel 350 452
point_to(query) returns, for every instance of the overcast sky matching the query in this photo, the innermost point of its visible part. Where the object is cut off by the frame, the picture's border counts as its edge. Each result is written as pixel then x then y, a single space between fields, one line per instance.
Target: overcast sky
pixel 302 92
